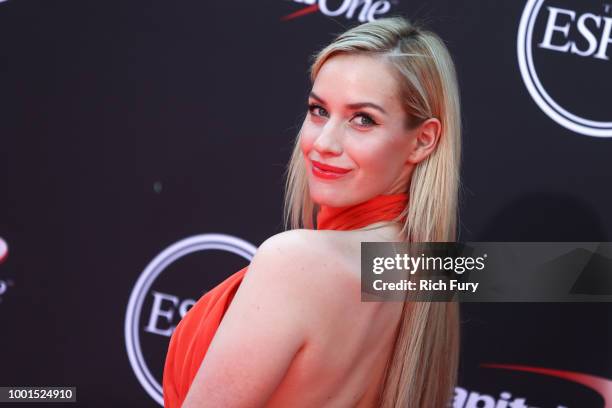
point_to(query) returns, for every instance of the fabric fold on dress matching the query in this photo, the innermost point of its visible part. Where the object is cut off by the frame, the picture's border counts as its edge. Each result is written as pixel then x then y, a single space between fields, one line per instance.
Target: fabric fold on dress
pixel 194 333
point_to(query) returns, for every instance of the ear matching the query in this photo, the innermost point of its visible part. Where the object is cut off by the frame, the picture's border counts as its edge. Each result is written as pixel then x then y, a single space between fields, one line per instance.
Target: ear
pixel 426 137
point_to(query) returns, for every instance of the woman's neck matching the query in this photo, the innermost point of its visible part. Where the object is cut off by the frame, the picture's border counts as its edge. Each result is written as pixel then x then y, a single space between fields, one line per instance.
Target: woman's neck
pixel 376 210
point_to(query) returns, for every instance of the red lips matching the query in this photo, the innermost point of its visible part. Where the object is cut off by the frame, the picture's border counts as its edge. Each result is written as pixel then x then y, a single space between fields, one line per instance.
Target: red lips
pixel 327 167
pixel 326 171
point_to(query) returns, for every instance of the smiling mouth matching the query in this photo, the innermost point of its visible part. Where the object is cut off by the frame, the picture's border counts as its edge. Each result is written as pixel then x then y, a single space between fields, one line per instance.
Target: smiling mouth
pixel 327 172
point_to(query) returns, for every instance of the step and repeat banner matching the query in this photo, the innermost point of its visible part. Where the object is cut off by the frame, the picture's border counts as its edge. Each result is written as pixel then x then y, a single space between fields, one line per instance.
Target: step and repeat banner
pixel 142 151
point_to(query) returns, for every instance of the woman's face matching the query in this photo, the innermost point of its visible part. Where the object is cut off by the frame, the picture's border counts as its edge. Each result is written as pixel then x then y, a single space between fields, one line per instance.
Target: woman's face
pixel 353 138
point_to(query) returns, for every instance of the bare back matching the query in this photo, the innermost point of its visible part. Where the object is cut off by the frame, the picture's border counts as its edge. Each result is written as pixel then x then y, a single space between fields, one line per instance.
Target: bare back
pixel 344 358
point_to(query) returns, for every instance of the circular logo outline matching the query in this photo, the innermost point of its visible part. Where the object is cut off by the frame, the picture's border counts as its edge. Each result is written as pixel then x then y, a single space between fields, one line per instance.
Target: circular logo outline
pixel 552 109
pixel 175 251
pixel 4 249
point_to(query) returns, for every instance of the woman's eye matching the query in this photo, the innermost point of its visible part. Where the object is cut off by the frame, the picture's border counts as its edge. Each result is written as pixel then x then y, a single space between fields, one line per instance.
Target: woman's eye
pixel 365 120
pixel 317 110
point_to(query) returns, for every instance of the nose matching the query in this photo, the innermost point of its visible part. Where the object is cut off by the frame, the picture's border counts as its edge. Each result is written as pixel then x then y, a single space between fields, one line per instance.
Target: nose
pixel 328 142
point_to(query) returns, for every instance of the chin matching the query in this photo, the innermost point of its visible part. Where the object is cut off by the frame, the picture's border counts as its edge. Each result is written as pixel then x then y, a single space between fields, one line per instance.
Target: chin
pixel 336 196
pixel 331 196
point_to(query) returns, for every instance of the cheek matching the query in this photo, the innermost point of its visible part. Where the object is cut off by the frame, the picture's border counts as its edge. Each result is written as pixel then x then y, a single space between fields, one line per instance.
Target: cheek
pixel 307 138
pixel 378 158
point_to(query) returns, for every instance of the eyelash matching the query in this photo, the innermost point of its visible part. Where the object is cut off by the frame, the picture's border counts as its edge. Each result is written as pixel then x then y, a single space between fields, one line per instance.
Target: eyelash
pixel 313 106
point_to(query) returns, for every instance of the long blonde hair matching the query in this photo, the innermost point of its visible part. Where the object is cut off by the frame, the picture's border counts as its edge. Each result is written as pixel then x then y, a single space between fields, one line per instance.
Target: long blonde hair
pixel 422 368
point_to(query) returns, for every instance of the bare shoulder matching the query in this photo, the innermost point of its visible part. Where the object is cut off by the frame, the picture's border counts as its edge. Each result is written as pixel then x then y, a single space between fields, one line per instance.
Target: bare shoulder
pixel 298 245
pixel 320 253
pixel 311 264
pixel 270 319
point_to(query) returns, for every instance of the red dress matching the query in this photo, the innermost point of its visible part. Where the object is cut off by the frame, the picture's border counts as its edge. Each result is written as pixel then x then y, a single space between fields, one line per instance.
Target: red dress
pixel 194 333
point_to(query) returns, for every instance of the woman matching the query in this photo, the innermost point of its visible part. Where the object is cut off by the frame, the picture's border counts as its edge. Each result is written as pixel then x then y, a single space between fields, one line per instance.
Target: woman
pixel 376 159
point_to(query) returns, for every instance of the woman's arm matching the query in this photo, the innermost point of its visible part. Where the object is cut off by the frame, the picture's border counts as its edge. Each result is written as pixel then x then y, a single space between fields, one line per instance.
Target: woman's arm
pixel 261 332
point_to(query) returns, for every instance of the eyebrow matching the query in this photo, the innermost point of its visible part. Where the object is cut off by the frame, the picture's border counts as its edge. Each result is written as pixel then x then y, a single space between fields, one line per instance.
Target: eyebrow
pixel 353 105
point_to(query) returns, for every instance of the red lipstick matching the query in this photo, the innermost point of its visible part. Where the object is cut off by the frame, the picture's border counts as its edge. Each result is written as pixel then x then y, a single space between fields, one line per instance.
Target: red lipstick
pixel 325 171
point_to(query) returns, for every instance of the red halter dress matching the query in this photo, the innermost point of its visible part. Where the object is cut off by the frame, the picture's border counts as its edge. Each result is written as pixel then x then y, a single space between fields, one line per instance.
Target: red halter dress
pixel 194 333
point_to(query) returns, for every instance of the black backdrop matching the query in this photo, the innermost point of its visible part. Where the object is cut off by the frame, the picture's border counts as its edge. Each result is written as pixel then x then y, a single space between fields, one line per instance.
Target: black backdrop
pixel 132 129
